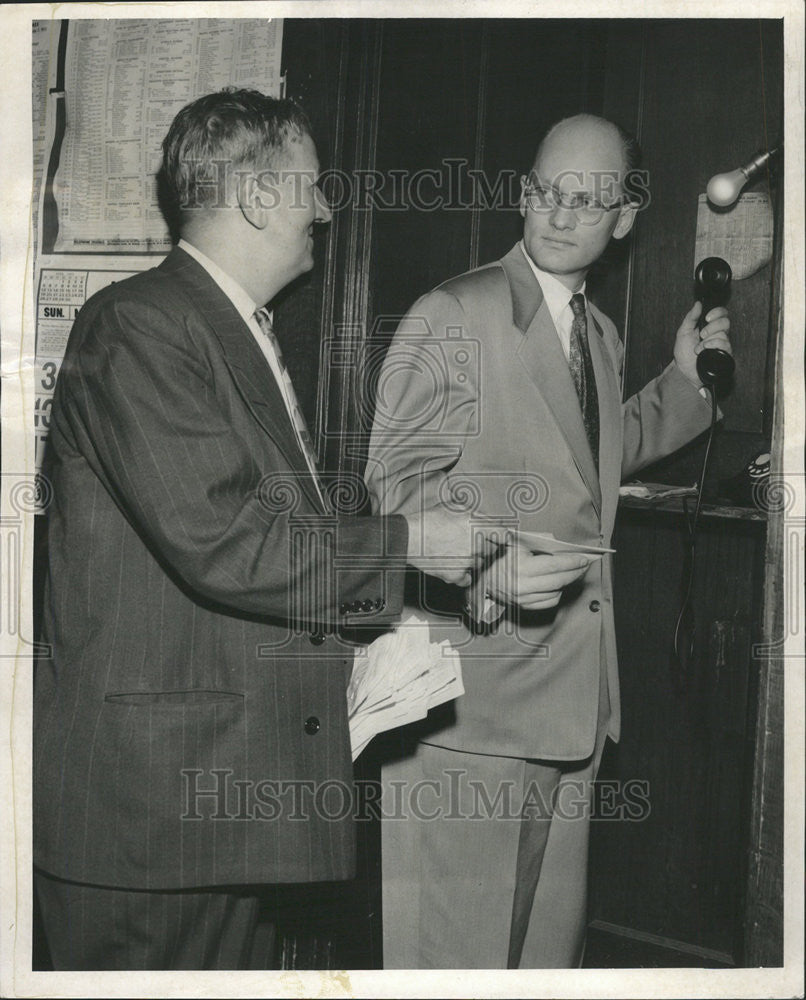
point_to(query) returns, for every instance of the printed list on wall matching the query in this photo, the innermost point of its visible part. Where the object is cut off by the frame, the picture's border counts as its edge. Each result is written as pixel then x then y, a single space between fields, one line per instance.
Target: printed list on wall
pixel 124 81
pixel 104 95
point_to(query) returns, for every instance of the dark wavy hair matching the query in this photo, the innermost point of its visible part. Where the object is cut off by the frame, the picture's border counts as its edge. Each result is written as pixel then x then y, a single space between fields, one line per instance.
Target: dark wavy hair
pixel 225 131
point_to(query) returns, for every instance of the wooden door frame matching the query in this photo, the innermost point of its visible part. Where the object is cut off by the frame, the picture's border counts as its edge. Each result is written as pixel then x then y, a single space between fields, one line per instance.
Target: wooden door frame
pixel 347 299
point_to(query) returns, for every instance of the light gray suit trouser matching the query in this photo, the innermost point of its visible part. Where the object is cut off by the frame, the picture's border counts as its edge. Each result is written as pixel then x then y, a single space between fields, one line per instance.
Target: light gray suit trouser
pixel 485 858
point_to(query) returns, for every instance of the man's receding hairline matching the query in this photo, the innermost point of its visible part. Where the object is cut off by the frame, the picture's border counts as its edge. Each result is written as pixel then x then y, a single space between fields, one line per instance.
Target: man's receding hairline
pixel 583 120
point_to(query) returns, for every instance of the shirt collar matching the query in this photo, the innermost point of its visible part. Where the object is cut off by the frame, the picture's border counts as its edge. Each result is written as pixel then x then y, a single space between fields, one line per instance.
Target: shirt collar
pixel 229 286
pixel 555 293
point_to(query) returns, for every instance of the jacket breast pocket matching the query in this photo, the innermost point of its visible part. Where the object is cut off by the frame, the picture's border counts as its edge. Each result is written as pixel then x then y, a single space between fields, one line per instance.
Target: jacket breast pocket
pixel 191 696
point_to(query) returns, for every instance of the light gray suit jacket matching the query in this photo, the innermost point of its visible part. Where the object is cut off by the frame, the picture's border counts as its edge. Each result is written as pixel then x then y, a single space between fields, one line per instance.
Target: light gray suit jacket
pixel 476 406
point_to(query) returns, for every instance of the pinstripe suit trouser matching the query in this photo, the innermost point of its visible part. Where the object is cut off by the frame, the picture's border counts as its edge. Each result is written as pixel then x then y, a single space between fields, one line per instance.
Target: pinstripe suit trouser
pixel 92 928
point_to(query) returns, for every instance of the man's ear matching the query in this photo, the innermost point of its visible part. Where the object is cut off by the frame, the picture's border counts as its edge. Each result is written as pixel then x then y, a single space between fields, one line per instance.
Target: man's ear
pixel 626 220
pixel 250 202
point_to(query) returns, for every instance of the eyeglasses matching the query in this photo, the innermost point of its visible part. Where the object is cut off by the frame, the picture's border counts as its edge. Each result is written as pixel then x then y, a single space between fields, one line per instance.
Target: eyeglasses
pixel 587 209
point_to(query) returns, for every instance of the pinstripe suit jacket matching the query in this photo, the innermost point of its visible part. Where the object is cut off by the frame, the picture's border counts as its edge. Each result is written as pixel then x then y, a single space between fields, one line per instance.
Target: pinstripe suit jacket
pixel 190 724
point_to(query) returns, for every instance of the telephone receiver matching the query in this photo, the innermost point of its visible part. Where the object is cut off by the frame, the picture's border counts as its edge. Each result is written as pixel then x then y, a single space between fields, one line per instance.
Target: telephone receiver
pixel 712 278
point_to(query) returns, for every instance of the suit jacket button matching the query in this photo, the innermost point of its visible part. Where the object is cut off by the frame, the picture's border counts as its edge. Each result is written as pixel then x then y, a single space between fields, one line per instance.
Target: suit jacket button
pixel 594 605
pixel 380 604
pixel 356 606
pixel 367 606
pixel 312 726
pixel 344 608
pixel 317 638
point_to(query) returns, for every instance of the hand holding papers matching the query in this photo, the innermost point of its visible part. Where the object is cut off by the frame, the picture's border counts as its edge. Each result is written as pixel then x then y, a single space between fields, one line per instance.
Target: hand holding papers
pixel 398 678
pixel 532 572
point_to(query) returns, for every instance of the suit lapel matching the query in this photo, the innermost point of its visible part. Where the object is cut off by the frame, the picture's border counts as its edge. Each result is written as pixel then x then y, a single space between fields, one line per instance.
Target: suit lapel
pixel 250 372
pixel 541 354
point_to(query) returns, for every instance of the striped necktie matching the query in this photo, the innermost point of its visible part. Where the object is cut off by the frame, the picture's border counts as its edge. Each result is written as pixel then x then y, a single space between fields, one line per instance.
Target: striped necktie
pixel 579 361
pixel 297 417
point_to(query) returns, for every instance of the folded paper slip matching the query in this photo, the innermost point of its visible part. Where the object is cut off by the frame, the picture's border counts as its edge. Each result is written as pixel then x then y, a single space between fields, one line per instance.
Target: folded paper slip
pixel 551 546
pixel 397 678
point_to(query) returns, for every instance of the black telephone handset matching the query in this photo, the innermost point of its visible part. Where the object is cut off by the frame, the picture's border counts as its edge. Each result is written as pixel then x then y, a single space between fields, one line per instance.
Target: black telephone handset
pixel 712 278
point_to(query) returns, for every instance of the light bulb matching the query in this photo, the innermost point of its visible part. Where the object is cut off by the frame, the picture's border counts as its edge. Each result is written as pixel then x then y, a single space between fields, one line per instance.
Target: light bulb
pixel 724 189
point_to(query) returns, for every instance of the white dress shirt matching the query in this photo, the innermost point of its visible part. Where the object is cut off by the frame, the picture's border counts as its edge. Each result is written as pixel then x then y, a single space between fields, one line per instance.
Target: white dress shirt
pixel 558 301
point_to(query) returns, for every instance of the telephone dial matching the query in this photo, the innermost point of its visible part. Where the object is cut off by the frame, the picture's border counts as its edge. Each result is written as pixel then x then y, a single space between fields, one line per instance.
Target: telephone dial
pixel 745 488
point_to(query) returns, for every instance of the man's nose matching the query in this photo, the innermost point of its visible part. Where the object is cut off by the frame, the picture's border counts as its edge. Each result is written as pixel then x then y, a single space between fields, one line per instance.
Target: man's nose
pixel 323 210
pixel 562 217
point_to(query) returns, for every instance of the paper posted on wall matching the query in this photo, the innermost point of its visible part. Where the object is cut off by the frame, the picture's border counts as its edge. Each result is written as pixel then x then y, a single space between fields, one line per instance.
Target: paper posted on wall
pixel 397 678
pixel 741 234
pixel 124 81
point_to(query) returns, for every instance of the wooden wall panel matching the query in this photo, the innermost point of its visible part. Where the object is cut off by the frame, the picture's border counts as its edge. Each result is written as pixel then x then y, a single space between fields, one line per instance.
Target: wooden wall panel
pixel 427 121
pixel 312 52
pixel 621 102
pixel 764 924
pixel 676 873
pixel 346 317
pixel 539 71
pixel 711 97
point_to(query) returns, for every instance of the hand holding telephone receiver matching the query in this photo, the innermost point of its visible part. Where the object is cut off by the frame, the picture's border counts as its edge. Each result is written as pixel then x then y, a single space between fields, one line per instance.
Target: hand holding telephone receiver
pixel 712 278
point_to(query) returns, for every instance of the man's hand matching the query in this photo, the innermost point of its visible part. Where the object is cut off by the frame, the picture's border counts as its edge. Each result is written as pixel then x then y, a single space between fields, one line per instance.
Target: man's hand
pixel 444 544
pixel 533 581
pixel 690 341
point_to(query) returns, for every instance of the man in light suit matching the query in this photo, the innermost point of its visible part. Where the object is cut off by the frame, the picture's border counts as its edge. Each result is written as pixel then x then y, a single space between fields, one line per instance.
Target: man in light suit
pixel 191 740
pixel 501 391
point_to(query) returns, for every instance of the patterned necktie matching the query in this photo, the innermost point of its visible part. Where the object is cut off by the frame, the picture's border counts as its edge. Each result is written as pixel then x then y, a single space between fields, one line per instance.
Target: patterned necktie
pixel 579 361
pixel 297 418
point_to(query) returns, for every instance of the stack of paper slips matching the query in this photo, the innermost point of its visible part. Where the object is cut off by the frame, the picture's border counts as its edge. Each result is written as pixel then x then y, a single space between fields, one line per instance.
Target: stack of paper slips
pixel 655 491
pixel 398 678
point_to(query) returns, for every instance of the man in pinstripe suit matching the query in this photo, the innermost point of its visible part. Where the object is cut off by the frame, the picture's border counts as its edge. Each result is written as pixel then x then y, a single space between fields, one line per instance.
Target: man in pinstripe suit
pixel 191 741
